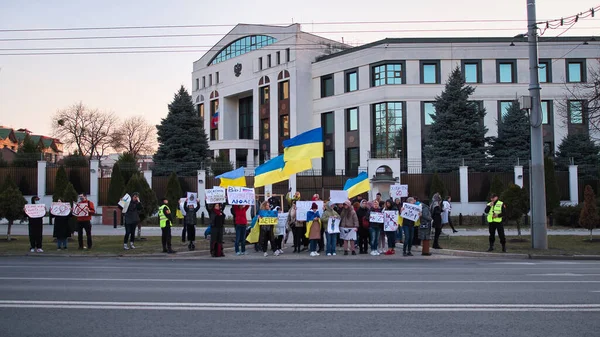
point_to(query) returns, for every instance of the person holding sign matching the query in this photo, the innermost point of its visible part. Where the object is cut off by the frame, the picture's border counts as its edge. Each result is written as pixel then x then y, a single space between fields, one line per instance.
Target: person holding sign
pixel 408 228
pixel 330 218
pixel 216 231
pixel 391 235
pixel 189 221
pixel 62 214
pixel 132 218
pixel 363 229
pixel 348 227
pixel 84 220
pixel 375 227
pixel 425 229
pixel 313 230
pixel 241 222
pixel 36 229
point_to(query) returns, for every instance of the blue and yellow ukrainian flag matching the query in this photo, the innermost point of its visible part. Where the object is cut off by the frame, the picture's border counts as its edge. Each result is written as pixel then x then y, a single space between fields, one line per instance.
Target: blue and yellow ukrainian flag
pixel 358 185
pixel 292 167
pixel 306 145
pixel 270 172
pixel 233 178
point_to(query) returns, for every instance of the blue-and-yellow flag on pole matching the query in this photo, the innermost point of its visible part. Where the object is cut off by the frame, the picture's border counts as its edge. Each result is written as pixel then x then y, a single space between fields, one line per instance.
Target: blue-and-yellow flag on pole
pixel 306 145
pixel 358 185
pixel 292 167
pixel 270 172
pixel 233 178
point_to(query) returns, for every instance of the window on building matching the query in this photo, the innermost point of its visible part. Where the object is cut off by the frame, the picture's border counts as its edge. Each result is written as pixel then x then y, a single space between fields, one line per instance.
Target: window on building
pixel 214 119
pixel 327 123
pixel 326 85
pixel 428 112
pixel 392 73
pixel 209 80
pixel 545 71
pixel 203 81
pixel 503 107
pixel 197 83
pixel 264 129
pixel 260 65
pixel 352 160
pixel 430 72
pixel 284 126
pixel 329 163
pixel 546 111
pixel 351 81
pixel 241 46
pixel 506 71
pixel 472 71
pixel 284 90
pixel 214 134
pixel 287 55
pixel 246 118
pixel 278 57
pixel 217 77
pixel 388 124
pixel 352 119
pixel 269 61
pixel 575 112
pixel 576 71
pixel 200 109
pixel 264 95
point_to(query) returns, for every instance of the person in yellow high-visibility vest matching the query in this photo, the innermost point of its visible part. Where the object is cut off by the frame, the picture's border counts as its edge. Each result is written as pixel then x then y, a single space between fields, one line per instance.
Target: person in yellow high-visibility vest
pixel 495 209
pixel 165 220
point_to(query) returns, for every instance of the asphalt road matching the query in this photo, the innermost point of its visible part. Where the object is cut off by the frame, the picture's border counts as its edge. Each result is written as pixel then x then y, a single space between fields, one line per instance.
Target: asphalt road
pixel 44 296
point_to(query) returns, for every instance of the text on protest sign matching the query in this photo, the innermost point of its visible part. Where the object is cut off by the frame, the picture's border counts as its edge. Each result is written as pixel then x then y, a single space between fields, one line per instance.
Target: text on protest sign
pixel 124 202
pixel 302 207
pixel 215 196
pixel 390 223
pixel 338 197
pixel 60 209
pixel 333 225
pixel 240 195
pixel 411 212
pixel 35 211
pixel 376 217
pixel 281 222
pixel 81 209
pixel 192 198
pixel 398 191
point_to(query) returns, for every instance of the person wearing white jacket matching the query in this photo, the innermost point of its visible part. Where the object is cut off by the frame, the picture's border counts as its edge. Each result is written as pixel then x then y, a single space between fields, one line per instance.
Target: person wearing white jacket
pixel 446 213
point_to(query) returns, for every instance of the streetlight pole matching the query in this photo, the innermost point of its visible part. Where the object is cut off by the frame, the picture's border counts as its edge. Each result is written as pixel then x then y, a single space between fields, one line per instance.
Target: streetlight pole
pixel 539 235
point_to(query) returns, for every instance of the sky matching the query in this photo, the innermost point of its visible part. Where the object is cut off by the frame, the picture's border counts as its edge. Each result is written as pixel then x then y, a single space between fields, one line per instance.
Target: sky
pixel 33 88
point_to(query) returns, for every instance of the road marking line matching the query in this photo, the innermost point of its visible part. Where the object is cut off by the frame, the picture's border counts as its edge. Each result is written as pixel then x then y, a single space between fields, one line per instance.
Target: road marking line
pixel 563 274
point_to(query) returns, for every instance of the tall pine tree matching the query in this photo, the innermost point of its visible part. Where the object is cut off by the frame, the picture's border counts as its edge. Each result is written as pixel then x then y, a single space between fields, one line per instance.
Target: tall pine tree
pixel 584 152
pixel 28 153
pixel 457 131
pixel 513 141
pixel 183 144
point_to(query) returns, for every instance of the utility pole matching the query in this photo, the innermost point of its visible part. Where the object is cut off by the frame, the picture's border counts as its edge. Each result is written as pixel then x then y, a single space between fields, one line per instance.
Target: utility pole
pixel 539 234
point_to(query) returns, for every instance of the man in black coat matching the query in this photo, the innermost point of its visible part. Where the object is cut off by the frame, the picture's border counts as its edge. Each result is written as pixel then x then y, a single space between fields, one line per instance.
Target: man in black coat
pixel 131 219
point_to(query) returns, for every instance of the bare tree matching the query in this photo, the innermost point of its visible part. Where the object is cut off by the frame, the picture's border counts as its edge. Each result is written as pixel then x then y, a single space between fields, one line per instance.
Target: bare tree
pixel 99 136
pixel 136 136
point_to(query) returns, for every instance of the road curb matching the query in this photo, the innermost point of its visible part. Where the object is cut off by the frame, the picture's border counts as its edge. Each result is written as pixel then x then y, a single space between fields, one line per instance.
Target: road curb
pixel 468 253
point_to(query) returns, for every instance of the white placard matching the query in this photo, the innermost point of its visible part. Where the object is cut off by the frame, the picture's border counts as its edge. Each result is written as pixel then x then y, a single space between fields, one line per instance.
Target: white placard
pixel 348 234
pixel 182 206
pixel 338 197
pixel 192 199
pixel 376 217
pixel 281 222
pixel 81 209
pixel 124 202
pixel 390 223
pixel 411 212
pixel 302 207
pixel 60 209
pixel 398 191
pixel 333 225
pixel 240 195
pixel 215 195
pixel 35 211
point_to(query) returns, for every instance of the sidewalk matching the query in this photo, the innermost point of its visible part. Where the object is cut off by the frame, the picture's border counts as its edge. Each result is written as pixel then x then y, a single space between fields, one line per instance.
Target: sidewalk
pixel 104 230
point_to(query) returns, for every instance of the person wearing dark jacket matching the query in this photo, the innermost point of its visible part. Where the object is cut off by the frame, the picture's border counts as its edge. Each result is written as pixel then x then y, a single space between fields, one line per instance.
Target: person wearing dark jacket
pixel 241 222
pixel 62 229
pixel 216 231
pixel 363 227
pixel 36 229
pixel 190 219
pixel 436 215
pixel 391 236
pixel 495 211
pixel 408 228
pixel 131 219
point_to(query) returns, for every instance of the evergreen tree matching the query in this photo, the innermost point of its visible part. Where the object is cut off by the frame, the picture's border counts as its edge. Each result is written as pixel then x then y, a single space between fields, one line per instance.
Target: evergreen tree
pixel 496 187
pixel 117 185
pixel 437 186
pixel 138 183
pixel 24 186
pixel 11 204
pixel 75 160
pixel 174 191
pixel 75 179
pixel 589 218
pixel 183 144
pixel 128 166
pixel 552 192
pixel 3 163
pixel 457 131
pixel 513 141
pixel 28 153
pixel 584 152
pixel 516 200
pixel 221 165
pixel 60 184
pixel 70 194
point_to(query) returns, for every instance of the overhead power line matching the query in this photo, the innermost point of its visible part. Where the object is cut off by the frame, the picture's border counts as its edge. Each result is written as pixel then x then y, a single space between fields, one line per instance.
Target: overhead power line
pixel 568 22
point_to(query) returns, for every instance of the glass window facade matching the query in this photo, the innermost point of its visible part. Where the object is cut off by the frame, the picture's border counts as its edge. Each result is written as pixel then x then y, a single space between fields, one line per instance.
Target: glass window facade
pixel 329 163
pixel 351 81
pixel 506 72
pixel 546 110
pixel 264 95
pixel 388 123
pixel 503 107
pixel 471 71
pixel 575 71
pixel 429 73
pixel 428 111
pixel 327 86
pixel 245 118
pixel 243 46
pixel 383 74
pixel 352 161
pixel 575 112
pixel 544 72
pixel 284 90
pixel 352 119
pixel 284 126
pixel 327 121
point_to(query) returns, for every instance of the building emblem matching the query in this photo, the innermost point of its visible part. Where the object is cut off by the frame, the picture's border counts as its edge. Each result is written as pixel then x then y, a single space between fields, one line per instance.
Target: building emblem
pixel 237 69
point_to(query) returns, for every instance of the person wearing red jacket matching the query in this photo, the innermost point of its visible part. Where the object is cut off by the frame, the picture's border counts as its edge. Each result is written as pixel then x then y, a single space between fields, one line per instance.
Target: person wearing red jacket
pixel 241 221
pixel 85 222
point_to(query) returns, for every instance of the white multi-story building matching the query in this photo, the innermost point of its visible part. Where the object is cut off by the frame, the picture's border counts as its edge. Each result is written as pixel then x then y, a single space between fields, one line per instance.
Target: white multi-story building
pixel 269 83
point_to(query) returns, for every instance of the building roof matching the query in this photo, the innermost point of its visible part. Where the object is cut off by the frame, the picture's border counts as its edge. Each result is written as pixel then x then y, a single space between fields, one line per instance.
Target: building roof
pixel 5 133
pixel 20 136
pixel 441 40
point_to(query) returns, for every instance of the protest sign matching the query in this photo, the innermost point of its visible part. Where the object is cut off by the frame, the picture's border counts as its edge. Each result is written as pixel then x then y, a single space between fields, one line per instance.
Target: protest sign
pixel 240 195
pixel 390 223
pixel 215 195
pixel 124 202
pixel 60 209
pixel 376 217
pixel 302 207
pixel 398 191
pixel 81 209
pixel 411 212
pixel 192 199
pixel 338 197
pixel 348 234
pixel 281 222
pixel 333 225
pixel 35 211
pixel 268 218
